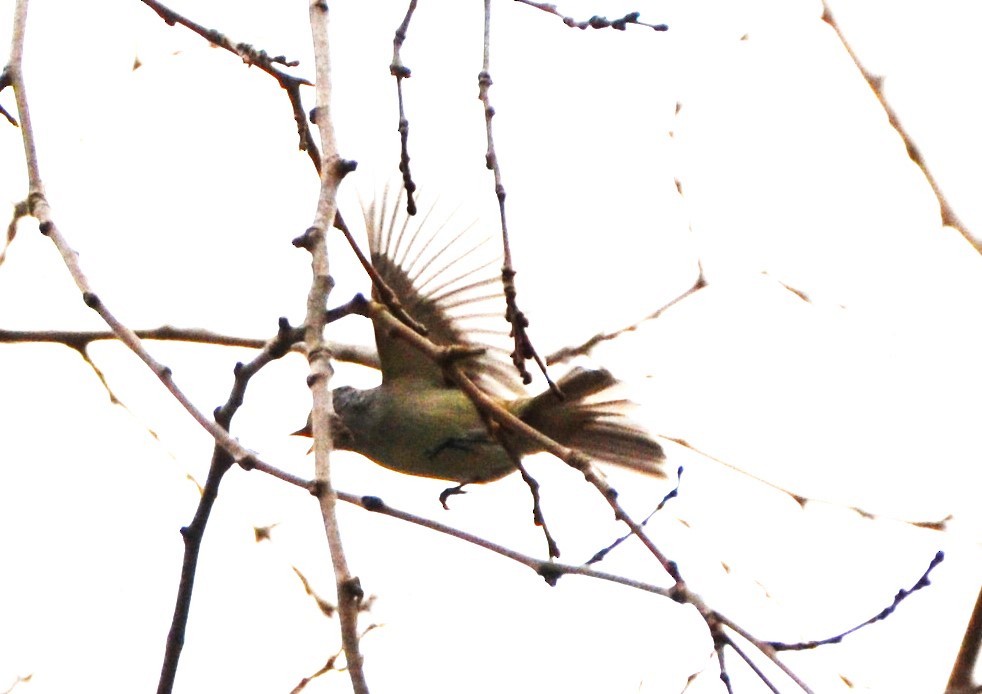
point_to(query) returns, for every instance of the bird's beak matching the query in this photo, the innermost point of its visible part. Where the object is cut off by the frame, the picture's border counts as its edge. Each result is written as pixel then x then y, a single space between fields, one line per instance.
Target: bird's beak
pixel 307 430
pixel 342 435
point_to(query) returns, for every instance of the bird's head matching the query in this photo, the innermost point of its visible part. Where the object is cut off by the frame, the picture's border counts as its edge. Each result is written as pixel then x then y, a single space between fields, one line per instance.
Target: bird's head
pixel 352 415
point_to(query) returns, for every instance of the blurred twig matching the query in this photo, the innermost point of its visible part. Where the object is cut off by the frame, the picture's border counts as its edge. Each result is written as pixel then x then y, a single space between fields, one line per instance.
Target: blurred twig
pixel 948 216
pixel 962 673
pixel 584 348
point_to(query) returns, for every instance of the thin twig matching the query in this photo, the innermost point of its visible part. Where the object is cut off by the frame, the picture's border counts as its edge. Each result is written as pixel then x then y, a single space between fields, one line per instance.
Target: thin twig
pixel 524 349
pixel 932 524
pixel 948 216
pixel 79 340
pixel 716 623
pixel 538 517
pixel 17 681
pixel 584 348
pixel 600 555
pixel 549 570
pixel 719 645
pixel 400 72
pixel 595 22
pixel 923 582
pixel 262 60
pixel 727 641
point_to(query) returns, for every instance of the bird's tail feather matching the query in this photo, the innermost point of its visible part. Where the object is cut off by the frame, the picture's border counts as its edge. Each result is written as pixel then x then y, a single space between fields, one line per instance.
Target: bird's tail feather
pixel 599 428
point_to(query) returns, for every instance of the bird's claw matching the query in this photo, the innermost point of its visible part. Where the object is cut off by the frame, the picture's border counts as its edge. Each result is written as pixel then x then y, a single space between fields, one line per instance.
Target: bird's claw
pixel 449 492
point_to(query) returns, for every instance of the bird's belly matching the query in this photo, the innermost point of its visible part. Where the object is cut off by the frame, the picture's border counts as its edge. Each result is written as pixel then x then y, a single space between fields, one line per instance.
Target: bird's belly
pixel 443 438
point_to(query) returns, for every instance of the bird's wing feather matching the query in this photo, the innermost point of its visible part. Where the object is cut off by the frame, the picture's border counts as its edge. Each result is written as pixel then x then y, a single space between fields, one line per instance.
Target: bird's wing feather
pixel 448 282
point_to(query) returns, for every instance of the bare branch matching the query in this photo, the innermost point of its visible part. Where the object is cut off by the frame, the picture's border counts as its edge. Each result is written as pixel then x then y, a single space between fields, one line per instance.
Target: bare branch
pixel 193 534
pixel 258 57
pixel 551 571
pixel 932 524
pixel 80 339
pixel 948 216
pixel 596 21
pixel 513 314
pixel 332 170
pixel 400 72
pixel 567 353
pixel 923 582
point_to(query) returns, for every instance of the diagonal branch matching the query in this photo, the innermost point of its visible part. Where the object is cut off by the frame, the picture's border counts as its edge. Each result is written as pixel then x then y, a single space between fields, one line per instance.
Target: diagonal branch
pixel 39 208
pixel 948 216
pixel 585 347
pixel 262 60
pixel 193 534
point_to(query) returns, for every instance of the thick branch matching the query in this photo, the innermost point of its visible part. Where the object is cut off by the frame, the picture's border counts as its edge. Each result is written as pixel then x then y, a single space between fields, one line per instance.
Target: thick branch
pixel 332 171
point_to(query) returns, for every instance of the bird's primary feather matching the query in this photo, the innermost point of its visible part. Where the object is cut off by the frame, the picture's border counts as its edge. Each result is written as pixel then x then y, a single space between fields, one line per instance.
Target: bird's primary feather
pixel 446 283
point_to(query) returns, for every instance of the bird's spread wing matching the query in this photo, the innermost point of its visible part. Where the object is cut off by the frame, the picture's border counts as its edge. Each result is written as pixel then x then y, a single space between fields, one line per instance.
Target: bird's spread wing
pixel 448 281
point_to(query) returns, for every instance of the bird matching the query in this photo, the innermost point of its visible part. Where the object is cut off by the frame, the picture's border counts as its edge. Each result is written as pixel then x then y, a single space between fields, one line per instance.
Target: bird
pixel 418 421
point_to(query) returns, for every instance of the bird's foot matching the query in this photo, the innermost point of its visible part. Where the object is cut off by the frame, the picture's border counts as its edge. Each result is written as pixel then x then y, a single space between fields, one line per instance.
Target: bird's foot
pixel 449 492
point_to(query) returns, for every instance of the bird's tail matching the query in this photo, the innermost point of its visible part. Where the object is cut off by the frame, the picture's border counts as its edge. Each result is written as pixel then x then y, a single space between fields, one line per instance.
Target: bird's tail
pixel 590 420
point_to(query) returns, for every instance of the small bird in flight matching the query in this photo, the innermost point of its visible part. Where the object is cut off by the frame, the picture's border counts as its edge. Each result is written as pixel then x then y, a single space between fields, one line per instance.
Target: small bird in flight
pixel 418 421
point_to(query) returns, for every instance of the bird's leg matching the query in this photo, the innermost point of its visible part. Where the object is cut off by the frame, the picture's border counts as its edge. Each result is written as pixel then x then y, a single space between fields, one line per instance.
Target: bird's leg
pixel 449 492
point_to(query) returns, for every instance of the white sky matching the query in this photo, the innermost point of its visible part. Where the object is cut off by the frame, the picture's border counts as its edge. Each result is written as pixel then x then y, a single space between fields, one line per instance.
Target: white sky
pixel 181 187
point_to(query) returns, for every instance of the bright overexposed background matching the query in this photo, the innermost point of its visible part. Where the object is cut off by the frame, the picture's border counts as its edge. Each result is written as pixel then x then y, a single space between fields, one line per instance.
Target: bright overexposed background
pixel 180 185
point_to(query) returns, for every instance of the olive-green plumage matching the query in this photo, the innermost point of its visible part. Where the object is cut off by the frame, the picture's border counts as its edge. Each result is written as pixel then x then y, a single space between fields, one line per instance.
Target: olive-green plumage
pixel 418 422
